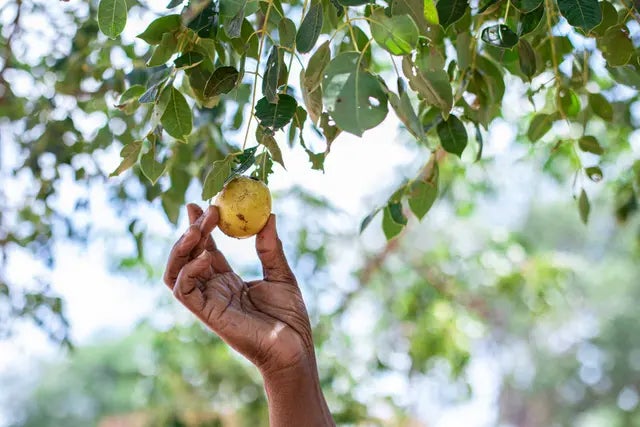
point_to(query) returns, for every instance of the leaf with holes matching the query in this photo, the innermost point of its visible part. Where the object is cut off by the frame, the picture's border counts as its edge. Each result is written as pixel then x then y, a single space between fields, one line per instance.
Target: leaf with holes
pixel 584 14
pixel 434 85
pixel 217 176
pixel 276 115
pixel 397 34
pixel 177 119
pixel 270 77
pixel 450 11
pixel 310 28
pixel 500 35
pixel 159 27
pixel 354 98
pixel 112 17
pixel 453 135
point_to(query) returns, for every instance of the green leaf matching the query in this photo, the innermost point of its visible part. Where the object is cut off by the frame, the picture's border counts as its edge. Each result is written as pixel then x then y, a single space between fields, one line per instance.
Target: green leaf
pixel 132 94
pixel 600 106
pixel 216 178
pixel 274 150
pixel 450 11
pixel 112 17
pixel 500 35
pixel 174 3
pixel 590 144
pixel 287 32
pixel 398 34
pixel 317 64
pixel 585 14
pixel 177 119
pixel 540 125
pixel 233 27
pixel 423 193
pixel 423 12
pixel 367 220
pixel 594 173
pixel 276 115
pixel 152 168
pixel 526 59
pixel 329 130
pixel 390 228
pixel 164 51
pixel 404 110
pixel 609 18
pixel 348 3
pixel 530 21
pixel 616 46
pixel 583 206
pixel 243 161
pixel 270 76
pixel 188 60
pixel 488 6
pixel 264 167
pixel 397 215
pixel 211 84
pixel 526 6
pixel 159 27
pixel 453 135
pixel 354 98
pixel 310 28
pixel 129 154
pixel 434 85
pixel 568 102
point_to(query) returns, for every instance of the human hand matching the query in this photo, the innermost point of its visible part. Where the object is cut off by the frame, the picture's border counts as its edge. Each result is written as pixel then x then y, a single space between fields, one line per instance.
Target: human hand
pixel 265 320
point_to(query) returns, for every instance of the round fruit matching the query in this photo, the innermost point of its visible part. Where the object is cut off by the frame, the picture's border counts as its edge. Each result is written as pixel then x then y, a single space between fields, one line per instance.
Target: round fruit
pixel 244 205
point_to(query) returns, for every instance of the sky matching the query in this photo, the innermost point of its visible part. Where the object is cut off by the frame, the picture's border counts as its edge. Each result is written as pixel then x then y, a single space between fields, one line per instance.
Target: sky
pixel 103 303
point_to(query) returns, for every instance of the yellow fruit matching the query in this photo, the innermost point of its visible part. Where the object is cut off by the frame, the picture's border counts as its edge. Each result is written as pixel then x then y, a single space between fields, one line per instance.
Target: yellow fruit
pixel 244 205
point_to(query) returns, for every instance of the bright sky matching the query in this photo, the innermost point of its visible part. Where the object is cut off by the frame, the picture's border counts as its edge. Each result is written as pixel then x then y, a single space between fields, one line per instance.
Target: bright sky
pixel 359 174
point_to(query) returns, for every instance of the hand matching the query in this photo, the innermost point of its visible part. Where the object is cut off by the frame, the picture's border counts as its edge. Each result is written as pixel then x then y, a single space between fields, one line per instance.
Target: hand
pixel 265 320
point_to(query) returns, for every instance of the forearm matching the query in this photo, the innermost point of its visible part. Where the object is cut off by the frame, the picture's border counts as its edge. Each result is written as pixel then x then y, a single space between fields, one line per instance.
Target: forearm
pixel 296 399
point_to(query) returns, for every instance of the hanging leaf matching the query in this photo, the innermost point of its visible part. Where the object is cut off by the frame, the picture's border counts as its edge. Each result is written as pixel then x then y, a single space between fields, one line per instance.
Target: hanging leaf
pixel 317 64
pixel 423 193
pixel 526 59
pixel 243 162
pixel 568 102
pixel 274 150
pixel 264 167
pixel 216 178
pixel 453 135
pixel 188 60
pixel 159 27
pixel 390 228
pixel 112 17
pixel 397 34
pixel 594 173
pixel 276 115
pixel 367 220
pixel 590 144
pixel 434 86
pixel 609 18
pixel 348 3
pixel 423 13
pixel 270 77
pixel 312 100
pixel 530 21
pixel 150 166
pixel 583 206
pixel 177 119
pixel 401 104
pixel 353 97
pixel 500 36
pixel 211 84
pixel 540 125
pixel 164 51
pixel 233 27
pixel 310 28
pixel 174 3
pixel 616 46
pixel 584 14
pixel 600 106
pixel 287 32
pixel 329 130
pixel 450 11
pixel 129 154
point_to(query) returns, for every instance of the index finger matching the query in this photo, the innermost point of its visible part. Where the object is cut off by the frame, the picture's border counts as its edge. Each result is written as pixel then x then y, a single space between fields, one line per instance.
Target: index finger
pixel 181 254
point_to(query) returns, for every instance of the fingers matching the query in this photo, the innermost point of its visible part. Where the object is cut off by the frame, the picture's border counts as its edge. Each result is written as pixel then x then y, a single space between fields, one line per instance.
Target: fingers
pixel 181 254
pixel 206 221
pixel 271 254
pixel 190 280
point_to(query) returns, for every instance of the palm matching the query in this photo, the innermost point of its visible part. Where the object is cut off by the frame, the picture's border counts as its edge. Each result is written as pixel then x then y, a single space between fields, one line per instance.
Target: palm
pixel 265 320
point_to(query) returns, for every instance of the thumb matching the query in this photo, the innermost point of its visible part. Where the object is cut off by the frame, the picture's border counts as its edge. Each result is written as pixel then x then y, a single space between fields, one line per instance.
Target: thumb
pixel 271 254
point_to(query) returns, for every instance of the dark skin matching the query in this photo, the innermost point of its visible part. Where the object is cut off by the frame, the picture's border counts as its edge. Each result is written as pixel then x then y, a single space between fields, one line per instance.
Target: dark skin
pixel 264 320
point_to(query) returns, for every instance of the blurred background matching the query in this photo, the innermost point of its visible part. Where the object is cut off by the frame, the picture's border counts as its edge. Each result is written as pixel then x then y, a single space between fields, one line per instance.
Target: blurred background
pixel 500 308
